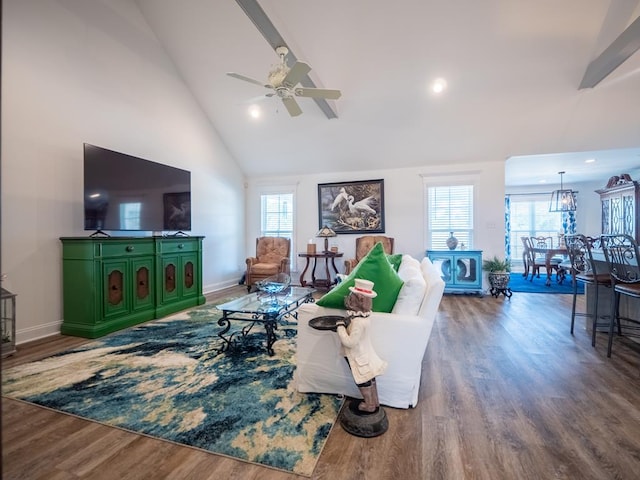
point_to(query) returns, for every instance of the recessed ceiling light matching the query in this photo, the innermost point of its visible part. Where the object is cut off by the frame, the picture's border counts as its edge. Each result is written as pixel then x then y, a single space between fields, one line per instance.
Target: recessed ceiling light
pixel 542 181
pixel 590 160
pixel 439 85
pixel 254 111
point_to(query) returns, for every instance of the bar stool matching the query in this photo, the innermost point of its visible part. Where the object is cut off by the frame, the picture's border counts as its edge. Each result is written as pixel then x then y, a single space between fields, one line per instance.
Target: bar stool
pixel 623 260
pixel 583 269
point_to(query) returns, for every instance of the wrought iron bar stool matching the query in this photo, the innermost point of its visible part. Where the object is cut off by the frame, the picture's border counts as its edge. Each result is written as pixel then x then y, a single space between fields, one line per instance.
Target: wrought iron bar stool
pixel 623 260
pixel 583 269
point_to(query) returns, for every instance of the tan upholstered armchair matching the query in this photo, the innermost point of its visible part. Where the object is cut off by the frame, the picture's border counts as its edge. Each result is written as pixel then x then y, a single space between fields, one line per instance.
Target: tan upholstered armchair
pixel 363 245
pixel 272 257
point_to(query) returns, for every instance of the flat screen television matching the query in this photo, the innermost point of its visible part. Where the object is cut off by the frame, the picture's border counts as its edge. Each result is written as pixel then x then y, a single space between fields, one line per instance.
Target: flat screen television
pixel 127 193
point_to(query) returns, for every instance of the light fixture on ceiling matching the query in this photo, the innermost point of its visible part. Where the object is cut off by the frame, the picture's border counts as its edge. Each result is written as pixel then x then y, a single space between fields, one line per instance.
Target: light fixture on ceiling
pixel 439 85
pixel 562 200
pixel 254 111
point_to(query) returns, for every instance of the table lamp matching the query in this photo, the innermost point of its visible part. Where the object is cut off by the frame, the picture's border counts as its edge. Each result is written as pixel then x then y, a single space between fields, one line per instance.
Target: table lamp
pixel 325 232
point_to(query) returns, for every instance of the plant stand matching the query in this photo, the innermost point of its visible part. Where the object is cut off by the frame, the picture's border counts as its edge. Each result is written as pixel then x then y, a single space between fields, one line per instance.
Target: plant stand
pixel 500 284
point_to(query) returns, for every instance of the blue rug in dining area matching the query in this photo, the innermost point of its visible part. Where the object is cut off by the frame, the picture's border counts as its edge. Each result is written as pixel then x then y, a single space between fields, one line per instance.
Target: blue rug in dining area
pixel 518 283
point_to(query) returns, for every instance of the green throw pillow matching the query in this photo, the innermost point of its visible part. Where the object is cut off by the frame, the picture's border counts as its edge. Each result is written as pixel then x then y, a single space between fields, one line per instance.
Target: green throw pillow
pixel 395 260
pixel 373 267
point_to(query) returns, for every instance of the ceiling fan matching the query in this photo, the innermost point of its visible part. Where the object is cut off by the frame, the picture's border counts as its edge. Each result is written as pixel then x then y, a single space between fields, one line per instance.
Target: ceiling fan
pixel 283 80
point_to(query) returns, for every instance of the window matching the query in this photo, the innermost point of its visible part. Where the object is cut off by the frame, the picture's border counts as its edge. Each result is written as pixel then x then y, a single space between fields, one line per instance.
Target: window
pixel 530 217
pixel 277 215
pixel 450 209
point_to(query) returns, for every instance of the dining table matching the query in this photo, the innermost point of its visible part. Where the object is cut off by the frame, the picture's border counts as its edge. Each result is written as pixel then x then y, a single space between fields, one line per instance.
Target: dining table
pixel 549 253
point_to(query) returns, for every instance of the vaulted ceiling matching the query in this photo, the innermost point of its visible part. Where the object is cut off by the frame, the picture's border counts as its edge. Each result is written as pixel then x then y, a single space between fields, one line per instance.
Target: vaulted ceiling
pixel 513 71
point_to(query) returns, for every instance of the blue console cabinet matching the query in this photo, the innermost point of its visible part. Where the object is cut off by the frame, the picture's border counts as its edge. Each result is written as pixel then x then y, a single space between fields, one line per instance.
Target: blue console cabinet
pixel 461 270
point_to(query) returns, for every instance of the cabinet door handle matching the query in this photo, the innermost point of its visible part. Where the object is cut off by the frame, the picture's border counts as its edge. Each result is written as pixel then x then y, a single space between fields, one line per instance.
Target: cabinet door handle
pixel 129 248
pixel 181 246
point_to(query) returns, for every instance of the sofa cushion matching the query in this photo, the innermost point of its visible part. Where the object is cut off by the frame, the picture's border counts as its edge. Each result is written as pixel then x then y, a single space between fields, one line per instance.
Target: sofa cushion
pixel 376 268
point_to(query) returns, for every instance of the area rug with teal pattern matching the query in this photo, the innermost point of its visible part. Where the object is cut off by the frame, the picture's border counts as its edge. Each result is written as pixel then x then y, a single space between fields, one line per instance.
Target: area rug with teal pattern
pixel 166 379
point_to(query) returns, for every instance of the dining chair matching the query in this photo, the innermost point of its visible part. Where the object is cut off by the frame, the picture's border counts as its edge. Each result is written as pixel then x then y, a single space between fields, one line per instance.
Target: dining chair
pixel 534 260
pixel 584 270
pixel 623 261
pixel 539 259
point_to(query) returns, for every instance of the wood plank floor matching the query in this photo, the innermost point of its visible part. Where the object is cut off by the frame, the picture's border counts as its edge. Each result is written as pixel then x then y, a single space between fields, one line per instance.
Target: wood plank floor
pixel 507 393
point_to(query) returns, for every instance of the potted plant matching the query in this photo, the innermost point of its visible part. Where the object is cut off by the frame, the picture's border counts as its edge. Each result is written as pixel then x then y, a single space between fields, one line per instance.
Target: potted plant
pixel 499 275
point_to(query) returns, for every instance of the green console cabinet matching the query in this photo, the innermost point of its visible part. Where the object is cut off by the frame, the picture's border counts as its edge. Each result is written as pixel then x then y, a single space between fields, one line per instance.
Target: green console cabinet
pixel 178 274
pixel 110 283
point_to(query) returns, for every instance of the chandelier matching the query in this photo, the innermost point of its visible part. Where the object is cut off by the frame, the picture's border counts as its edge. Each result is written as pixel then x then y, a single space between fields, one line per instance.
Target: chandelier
pixel 562 200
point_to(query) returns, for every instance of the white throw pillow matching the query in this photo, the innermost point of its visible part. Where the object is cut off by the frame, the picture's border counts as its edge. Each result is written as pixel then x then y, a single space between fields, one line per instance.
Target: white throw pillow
pixel 409 267
pixel 429 269
pixel 410 296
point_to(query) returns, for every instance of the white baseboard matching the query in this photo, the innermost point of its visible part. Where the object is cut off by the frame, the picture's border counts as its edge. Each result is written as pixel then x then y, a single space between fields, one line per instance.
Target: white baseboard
pixel 215 287
pixel 36 333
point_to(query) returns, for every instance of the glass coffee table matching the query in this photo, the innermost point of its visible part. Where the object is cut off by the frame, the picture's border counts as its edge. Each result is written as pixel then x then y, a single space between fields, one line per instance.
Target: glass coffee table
pixel 260 307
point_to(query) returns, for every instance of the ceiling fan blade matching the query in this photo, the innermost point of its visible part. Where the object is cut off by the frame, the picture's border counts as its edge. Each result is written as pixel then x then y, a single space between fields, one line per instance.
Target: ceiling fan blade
pixel 299 70
pixel 248 79
pixel 318 93
pixel 292 106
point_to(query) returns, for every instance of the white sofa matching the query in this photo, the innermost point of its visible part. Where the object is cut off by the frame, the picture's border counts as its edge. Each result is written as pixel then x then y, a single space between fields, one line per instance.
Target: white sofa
pixel 399 337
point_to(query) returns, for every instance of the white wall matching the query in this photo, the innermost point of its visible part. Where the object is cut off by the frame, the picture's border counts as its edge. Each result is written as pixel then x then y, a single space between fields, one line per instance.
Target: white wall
pixel 404 206
pixel 79 71
pixel 588 213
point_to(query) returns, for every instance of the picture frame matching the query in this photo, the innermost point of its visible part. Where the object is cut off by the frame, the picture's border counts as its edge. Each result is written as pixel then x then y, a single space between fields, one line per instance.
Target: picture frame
pixel 177 211
pixel 352 207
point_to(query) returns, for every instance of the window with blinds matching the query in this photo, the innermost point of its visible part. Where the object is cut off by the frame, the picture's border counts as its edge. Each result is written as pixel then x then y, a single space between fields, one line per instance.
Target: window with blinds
pixel 450 209
pixel 277 215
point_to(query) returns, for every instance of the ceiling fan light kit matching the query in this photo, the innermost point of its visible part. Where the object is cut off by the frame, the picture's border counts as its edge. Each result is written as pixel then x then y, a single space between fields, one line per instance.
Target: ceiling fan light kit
pixel 283 80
